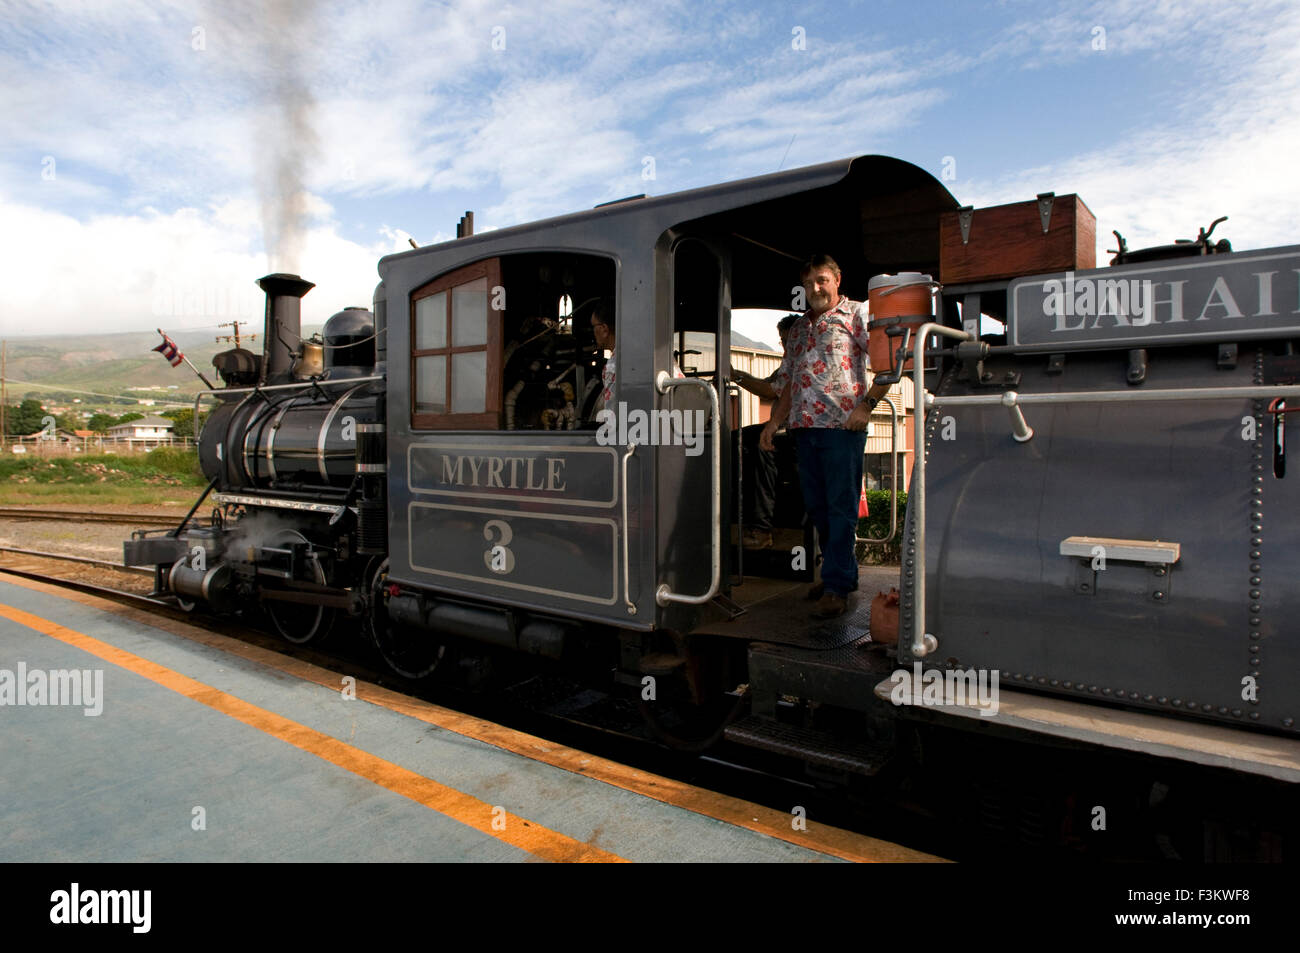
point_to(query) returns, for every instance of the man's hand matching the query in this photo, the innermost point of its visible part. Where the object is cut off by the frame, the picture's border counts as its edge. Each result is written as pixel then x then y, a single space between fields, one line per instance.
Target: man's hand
pixel 860 418
pixel 779 414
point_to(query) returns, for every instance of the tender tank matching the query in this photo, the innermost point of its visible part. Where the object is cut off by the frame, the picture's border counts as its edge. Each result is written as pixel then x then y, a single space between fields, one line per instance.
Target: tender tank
pixel 1131 551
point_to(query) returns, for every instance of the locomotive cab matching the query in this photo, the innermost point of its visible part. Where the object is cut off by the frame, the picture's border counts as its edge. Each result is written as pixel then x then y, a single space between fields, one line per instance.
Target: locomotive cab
pixel 512 503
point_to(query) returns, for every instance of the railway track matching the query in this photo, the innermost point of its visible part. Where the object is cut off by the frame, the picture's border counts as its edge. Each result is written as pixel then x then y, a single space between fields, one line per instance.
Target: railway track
pixel 86 516
pixel 85 560
pixel 31 568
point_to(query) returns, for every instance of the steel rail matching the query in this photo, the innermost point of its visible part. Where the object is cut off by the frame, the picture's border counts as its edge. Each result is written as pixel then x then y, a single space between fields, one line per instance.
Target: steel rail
pixel 84 516
pixel 87 560
pixel 118 595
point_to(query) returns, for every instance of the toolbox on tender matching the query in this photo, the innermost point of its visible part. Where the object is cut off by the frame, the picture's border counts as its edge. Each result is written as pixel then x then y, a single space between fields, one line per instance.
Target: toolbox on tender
pixel 1051 233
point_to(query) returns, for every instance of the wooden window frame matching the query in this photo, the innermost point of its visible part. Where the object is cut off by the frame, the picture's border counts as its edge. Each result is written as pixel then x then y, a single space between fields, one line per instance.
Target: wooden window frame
pixel 491 418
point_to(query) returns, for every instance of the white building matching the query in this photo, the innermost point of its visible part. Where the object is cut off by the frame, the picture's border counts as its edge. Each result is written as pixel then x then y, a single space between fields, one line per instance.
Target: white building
pixel 147 430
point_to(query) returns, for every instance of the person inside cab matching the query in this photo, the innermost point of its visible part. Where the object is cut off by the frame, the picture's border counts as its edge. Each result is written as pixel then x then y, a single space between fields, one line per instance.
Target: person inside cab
pixel 760 467
pixel 602 329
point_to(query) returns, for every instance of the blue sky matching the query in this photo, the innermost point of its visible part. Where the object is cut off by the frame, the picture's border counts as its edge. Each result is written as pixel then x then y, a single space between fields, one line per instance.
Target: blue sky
pixel 139 141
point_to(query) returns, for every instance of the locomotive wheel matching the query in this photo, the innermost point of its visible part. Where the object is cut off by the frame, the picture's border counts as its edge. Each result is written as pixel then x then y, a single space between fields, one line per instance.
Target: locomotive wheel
pixel 410 655
pixel 297 623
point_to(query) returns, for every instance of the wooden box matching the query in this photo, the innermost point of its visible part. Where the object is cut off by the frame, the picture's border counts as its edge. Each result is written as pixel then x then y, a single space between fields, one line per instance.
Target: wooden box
pixel 1007 241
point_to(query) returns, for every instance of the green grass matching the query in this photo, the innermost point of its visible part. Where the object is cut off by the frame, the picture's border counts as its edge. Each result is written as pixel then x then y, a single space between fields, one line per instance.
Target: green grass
pixel 166 475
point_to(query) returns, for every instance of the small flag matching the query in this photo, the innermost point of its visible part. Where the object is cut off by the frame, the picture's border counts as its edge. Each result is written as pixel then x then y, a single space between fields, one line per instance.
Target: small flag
pixel 169 350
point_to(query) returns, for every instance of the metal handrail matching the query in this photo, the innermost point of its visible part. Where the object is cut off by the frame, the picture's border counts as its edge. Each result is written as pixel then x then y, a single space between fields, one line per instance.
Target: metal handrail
pixel 259 388
pixel 664 595
pixel 1013 398
pixel 922 643
pixel 733 390
pixel 893 478
pixel 627 585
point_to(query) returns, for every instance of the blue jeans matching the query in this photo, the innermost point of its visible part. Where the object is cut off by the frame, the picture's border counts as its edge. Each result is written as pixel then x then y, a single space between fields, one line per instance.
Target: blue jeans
pixel 830 470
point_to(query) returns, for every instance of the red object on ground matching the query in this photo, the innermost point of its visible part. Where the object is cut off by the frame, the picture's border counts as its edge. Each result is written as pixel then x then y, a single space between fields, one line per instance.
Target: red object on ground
pixel 884 617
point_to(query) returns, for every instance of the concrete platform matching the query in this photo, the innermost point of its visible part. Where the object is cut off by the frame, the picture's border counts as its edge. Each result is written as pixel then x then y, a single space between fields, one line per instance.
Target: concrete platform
pixel 209 749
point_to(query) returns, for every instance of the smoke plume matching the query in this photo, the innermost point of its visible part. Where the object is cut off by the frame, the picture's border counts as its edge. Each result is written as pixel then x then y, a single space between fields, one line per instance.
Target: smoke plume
pixel 270 45
pixel 287 143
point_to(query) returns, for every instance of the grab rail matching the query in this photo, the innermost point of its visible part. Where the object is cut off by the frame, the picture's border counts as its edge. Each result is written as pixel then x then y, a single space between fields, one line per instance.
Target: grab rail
pixel 922 642
pixel 664 595
pixel 627 585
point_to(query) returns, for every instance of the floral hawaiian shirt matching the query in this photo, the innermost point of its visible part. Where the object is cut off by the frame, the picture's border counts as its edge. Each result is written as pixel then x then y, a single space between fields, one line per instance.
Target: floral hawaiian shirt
pixel 608 375
pixel 826 364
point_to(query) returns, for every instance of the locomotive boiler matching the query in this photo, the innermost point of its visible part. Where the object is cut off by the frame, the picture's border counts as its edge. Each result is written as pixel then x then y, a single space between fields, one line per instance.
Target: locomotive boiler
pixel 294 451
pixel 1096 516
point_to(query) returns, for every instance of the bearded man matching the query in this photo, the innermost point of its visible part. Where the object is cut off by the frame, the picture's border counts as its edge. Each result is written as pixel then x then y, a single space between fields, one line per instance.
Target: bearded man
pixel 826 401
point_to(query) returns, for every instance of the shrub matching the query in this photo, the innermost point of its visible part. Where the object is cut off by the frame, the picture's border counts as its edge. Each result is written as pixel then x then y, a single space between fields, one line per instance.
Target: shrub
pixel 164 466
pixel 175 460
pixel 876 525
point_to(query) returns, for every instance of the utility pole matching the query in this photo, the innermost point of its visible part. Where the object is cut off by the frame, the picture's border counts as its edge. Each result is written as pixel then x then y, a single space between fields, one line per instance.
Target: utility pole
pixel 4 391
pixel 227 337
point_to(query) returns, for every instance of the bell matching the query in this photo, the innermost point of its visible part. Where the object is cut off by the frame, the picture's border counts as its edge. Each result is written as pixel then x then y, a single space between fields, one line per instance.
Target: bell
pixel 311 360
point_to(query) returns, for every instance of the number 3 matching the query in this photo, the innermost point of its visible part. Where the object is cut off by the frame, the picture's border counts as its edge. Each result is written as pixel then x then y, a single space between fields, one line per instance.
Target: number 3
pixel 499 558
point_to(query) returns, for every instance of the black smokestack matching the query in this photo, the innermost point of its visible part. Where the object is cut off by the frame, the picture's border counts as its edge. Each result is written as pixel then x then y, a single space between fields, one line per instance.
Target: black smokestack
pixel 283 323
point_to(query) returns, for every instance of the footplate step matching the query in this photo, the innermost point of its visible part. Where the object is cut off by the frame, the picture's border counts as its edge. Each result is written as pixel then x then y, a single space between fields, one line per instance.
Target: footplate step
pixel 807 744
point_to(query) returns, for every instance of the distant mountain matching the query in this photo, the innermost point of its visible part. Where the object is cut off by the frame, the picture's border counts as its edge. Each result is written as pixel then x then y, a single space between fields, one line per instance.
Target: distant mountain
pixel 113 365
pixel 739 340
pixel 118 364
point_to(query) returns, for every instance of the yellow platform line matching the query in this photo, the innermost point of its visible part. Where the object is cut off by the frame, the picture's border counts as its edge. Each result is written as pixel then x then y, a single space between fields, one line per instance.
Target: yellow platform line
pixel 822 838
pixel 467 809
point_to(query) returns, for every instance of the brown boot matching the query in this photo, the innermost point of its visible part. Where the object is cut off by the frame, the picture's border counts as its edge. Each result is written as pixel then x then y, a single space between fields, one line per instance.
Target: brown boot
pixel 829 606
pixel 815 591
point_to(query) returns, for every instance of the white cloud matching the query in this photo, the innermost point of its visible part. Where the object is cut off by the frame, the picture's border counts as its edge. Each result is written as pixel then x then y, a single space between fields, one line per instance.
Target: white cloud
pixel 159 145
pixel 191 268
pixel 1227 148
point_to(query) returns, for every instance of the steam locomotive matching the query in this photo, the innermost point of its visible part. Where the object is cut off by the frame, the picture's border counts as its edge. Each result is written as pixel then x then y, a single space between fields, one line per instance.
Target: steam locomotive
pixel 1097 507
